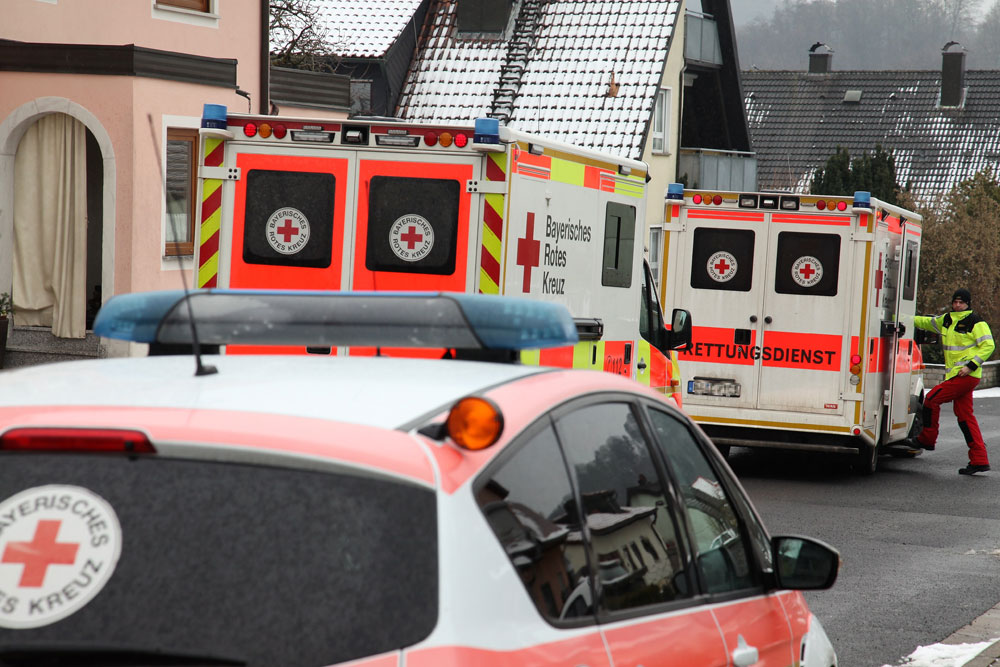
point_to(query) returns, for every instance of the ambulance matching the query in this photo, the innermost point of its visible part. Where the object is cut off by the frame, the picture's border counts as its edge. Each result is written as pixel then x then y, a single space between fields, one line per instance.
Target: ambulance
pixel 805 305
pixel 384 205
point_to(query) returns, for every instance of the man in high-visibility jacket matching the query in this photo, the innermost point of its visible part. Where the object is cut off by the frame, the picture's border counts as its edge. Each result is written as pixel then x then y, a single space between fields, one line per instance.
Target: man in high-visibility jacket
pixel 967 343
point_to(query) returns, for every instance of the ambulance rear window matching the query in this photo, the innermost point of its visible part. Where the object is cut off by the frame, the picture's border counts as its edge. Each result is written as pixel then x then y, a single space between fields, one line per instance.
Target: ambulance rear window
pixel 807 264
pixel 722 259
pixel 289 218
pixel 619 245
pixel 255 564
pixel 910 270
pixel 412 225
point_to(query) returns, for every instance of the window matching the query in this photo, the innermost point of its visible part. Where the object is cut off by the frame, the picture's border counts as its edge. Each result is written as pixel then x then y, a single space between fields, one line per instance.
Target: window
pixel 722 259
pixel 910 272
pixel 661 122
pixel 182 172
pixel 528 503
pixel 289 218
pixel 719 545
pixel 619 243
pixel 412 225
pixel 195 5
pixel 656 254
pixel 624 501
pixel 361 97
pixel 807 264
pixel 483 15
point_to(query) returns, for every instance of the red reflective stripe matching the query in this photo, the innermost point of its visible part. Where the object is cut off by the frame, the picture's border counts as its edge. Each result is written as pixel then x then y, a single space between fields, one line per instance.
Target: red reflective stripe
pixel 561 357
pixel 587 649
pixel 715 345
pixel 494 172
pixel 808 351
pixel 493 221
pixel 214 159
pixel 490 265
pixel 658 375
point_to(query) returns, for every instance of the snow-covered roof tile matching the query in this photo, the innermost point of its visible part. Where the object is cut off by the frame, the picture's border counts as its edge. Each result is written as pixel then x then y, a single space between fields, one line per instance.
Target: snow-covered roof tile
pixel 575 48
pixel 364 28
pixel 798 120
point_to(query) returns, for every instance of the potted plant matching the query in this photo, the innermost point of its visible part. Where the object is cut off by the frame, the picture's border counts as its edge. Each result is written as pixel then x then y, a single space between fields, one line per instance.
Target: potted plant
pixel 6 306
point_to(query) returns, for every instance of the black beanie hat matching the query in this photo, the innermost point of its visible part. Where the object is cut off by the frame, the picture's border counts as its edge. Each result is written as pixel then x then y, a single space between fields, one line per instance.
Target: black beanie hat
pixel 962 294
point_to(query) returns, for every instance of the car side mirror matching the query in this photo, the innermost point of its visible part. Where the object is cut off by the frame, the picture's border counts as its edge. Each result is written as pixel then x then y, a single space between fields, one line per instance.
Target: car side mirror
pixel 679 336
pixel 804 563
pixel 920 337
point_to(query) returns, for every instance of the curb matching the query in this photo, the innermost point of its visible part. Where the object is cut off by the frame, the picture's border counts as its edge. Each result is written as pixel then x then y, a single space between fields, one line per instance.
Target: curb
pixel 984 628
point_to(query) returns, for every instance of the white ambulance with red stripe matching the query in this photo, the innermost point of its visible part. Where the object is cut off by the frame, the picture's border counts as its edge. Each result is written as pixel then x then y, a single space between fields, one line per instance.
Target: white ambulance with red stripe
pixel 386 205
pixel 805 306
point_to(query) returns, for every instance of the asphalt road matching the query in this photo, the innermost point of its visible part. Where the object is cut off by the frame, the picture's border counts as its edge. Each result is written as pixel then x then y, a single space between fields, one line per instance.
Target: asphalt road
pixel 920 543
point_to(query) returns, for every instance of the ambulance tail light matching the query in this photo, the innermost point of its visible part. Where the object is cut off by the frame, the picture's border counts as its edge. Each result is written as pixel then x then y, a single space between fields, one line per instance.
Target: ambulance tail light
pixel 696 199
pixel 703 386
pixel 855 369
pixel 279 131
pixel 474 423
pixel 461 141
pixel 821 205
pixel 842 205
pixel 862 199
pixel 789 203
pixel 74 440
pixel 250 129
pixel 265 130
pixel 430 138
pixel 675 191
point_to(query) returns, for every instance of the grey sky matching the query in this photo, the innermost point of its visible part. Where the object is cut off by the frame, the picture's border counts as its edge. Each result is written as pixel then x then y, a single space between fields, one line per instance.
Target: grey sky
pixel 745 11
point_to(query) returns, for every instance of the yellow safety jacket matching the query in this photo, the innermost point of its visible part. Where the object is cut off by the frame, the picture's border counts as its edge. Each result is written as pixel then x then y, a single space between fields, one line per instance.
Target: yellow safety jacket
pixel 965 338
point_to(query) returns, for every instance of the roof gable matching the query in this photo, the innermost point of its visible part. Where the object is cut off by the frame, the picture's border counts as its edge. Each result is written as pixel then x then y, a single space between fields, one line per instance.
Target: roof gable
pixel 798 120
pixel 559 58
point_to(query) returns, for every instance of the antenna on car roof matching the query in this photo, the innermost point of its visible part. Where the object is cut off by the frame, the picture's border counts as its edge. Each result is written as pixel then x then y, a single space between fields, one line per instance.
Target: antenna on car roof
pixel 199 368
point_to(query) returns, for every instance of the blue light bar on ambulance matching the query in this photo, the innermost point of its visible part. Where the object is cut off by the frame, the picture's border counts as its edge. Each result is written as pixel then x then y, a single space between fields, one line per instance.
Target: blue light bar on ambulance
pixel 487 131
pixel 675 191
pixel 214 116
pixel 315 318
pixel 862 199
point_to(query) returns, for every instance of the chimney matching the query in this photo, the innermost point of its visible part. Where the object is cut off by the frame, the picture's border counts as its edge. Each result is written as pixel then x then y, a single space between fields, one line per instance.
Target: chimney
pixel 952 76
pixel 820 63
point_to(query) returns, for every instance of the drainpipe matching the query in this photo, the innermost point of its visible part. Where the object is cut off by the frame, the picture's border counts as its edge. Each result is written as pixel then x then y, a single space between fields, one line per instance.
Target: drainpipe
pixel 264 99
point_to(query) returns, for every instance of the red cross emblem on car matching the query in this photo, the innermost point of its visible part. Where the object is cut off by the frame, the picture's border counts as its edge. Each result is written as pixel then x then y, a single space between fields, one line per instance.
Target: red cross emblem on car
pixel 40 553
pixel 528 252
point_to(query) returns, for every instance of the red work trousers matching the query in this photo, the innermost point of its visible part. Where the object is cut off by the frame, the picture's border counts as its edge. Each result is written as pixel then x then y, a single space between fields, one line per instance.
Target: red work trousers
pixel 957 389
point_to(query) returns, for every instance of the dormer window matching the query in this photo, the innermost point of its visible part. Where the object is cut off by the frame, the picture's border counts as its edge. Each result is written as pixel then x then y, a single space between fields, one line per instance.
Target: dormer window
pixel 483 15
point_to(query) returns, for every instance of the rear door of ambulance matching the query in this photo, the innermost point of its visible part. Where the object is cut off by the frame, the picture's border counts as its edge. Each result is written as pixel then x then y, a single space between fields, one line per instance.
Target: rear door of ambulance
pixel 351 216
pixel 768 290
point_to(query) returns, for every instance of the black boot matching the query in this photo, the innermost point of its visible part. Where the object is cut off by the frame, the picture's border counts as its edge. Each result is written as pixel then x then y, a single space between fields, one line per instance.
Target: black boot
pixel 971 469
pixel 913 443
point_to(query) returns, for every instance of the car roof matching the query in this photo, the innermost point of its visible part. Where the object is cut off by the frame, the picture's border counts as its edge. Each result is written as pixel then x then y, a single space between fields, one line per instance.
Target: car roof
pixel 384 392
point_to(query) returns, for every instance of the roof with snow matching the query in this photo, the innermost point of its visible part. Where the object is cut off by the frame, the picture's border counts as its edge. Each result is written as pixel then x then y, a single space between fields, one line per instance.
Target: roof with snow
pixel 365 28
pixel 797 120
pixel 584 72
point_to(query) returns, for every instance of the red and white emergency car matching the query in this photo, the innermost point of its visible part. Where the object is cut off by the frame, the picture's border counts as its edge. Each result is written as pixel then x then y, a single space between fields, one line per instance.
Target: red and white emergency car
pixel 381 205
pixel 378 511
pixel 804 305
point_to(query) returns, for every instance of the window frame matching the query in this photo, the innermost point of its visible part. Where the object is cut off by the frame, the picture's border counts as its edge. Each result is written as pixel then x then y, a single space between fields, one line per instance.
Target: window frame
pixel 182 248
pixel 661 116
pixel 202 6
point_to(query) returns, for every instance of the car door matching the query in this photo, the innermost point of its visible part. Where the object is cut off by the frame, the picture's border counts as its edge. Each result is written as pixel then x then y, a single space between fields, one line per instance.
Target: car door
pixel 633 542
pixel 527 500
pixel 732 553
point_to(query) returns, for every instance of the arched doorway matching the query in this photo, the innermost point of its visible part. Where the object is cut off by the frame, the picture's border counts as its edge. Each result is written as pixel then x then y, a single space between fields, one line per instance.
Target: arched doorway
pixel 84 277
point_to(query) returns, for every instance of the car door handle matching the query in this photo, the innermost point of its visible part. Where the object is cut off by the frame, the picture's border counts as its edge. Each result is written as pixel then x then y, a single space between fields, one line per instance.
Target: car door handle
pixel 642 364
pixel 744 655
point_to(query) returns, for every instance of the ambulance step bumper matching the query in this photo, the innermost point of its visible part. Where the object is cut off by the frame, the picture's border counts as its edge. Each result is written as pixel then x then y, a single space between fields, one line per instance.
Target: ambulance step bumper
pixel 735 436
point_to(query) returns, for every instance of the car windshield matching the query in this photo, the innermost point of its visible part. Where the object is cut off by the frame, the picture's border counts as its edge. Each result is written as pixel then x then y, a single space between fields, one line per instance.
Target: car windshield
pixel 247 564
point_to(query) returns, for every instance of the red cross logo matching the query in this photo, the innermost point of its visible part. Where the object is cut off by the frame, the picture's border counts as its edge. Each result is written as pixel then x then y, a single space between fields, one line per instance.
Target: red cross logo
pixel 721 266
pixel 528 252
pixel 288 231
pixel 807 270
pixel 411 238
pixel 41 552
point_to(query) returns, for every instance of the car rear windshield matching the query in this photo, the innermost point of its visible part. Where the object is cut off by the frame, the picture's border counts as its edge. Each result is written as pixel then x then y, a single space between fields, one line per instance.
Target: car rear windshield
pixel 244 564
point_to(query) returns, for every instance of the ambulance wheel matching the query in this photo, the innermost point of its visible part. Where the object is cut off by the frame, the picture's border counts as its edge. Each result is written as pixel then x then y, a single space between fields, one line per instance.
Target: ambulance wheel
pixel 867 459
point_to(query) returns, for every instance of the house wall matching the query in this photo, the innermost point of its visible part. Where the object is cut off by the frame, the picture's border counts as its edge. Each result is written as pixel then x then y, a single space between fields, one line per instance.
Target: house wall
pixel 663 168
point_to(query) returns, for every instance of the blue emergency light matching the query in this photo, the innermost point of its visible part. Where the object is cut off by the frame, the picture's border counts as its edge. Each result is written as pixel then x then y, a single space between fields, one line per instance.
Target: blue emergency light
pixel 675 191
pixel 323 318
pixel 862 199
pixel 487 131
pixel 214 116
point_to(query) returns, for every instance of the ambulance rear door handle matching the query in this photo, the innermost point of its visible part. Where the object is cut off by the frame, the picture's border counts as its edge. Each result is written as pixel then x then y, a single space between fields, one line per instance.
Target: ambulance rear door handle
pixel 753 319
pixel 641 365
pixel 767 319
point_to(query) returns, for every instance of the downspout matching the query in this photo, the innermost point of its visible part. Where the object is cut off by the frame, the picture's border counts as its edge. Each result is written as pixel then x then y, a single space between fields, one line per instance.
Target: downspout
pixel 264 104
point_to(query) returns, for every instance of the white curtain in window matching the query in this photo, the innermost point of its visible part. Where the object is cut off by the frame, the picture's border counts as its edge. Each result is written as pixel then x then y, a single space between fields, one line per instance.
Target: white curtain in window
pixel 50 226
